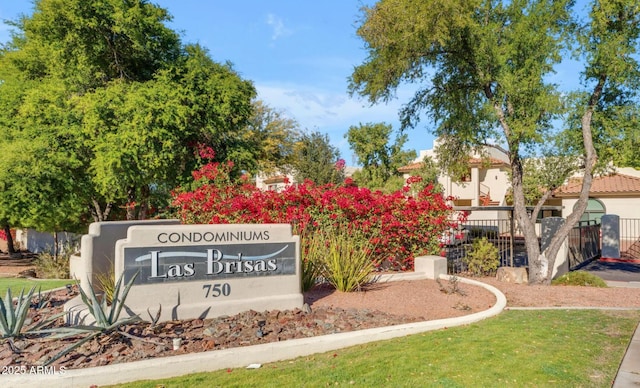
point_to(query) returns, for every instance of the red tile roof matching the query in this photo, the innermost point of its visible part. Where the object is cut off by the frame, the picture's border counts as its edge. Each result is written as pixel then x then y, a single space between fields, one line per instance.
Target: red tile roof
pixel 411 167
pixel 492 161
pixel 610 185
pixel 275 179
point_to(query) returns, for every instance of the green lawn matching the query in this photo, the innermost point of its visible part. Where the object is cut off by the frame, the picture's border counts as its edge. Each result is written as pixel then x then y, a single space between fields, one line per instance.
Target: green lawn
pixel 17 284
pixel 539 348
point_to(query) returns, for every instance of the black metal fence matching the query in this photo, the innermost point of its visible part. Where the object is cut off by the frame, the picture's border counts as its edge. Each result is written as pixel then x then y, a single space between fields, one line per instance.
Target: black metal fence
pixel 584 243
pixel 503 234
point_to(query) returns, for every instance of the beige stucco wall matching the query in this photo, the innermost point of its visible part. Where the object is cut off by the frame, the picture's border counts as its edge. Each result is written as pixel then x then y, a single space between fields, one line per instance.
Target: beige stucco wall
pixel 623 207
pixel 497 180
pixel 493 179
pixel 260 181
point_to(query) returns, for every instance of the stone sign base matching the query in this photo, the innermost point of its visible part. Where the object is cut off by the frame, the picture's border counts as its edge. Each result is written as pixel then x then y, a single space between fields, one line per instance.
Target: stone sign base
pixel 198 271
pixel 209 299
pixel 143 296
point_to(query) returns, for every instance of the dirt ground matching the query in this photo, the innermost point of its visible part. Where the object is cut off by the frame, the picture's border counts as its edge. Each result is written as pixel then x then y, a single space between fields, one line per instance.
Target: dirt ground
pixel 12 265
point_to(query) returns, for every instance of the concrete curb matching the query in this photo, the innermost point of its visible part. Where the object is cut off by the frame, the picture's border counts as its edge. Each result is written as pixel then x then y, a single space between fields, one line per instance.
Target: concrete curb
pixel 165 367
pixel 628 373
pixel 622 284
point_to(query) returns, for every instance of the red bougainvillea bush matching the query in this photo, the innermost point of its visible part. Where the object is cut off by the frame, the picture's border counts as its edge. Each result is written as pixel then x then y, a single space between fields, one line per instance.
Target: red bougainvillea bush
pixel 399 225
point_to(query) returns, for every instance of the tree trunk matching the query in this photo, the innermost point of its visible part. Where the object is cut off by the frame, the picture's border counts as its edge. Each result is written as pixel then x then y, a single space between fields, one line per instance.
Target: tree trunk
pixel 56 245
pixel 537 266
pixel 542 264
pixel 107 211
pixel 541 269
pixel 590 158
pixel 96 211
pixel 538 263
pixel 144 202
pixel 131 204
pixel 7 231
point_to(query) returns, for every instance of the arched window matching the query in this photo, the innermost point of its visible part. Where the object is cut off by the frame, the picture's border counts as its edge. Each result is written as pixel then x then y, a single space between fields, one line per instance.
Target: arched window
pixel 594 211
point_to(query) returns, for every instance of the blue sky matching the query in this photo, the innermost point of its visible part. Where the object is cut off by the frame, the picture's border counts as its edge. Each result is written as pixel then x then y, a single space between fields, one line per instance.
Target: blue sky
pixel 298 54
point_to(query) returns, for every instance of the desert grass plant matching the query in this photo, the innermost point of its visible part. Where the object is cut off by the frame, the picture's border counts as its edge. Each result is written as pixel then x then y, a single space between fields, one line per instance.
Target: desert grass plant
pixel 347 263
pixel 50 267
pixel 107 283
pixel 579 278
pixel 313 249
pixel 106 316
pixel 483 258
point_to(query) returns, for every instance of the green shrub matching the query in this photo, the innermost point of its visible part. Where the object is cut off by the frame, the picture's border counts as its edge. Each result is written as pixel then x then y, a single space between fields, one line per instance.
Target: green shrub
pixel 50 267
pixel 347 261
pixel 483 258
pixel 579 278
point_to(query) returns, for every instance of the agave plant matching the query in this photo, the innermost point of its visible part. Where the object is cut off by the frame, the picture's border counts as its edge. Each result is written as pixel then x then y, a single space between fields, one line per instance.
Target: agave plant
pixel 41 300
pixel 13 318
pixel 106 317
pixel 104 314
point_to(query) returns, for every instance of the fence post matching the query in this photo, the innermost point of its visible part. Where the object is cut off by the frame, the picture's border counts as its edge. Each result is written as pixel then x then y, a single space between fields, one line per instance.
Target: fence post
pixel 549 228
pixel 610 227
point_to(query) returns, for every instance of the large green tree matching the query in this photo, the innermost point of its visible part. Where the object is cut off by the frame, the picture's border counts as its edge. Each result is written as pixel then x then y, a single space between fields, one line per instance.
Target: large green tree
pixel 484 74
pixel 272 136
pixel 118 102
pixel 315 159
pixel 380 158
pixel 616 131
pixel 42 181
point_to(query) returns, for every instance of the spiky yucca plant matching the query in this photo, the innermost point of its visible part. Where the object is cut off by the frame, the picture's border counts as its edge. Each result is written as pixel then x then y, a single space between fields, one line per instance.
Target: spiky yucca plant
pixel 313 247
pixel 348 261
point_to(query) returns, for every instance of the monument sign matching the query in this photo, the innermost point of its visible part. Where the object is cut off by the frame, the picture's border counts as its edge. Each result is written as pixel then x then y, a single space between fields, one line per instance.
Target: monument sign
pixel 203 271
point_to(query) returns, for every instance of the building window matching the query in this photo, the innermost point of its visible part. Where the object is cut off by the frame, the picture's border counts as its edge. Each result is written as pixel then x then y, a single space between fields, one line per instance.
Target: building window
pixel 594 211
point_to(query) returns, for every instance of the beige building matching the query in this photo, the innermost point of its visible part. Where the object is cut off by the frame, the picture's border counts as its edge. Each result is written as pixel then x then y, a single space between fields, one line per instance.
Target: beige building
pixel 617 193
pixel 276 181
pixel 486 183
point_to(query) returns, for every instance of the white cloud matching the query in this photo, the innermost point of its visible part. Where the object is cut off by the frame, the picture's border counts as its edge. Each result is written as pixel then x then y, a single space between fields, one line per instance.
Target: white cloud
pixel 333 112
pixel 313 107
pixel 278 27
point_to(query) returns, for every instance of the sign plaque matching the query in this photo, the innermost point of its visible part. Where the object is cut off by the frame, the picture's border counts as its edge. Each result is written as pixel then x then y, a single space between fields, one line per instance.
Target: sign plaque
pixel 200 271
